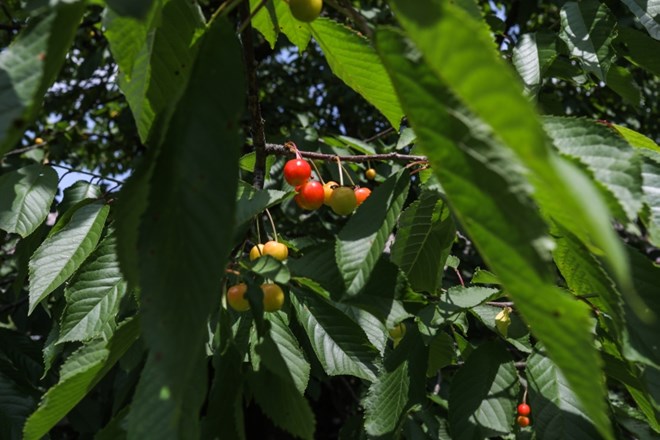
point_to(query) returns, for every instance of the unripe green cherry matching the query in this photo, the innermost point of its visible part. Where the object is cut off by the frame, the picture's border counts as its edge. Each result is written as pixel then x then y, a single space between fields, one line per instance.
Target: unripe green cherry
pixel 343 200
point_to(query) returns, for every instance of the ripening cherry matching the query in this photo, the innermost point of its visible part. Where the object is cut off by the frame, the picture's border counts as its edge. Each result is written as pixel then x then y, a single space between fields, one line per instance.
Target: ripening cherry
pixel 236 297
pixel 522 421
pixel 361 194
pixel 256 251
pixel 524 409
pixel 327 189
pixel 312 195
pixel 370 174
pixel 277 250
pixel 273 297
pixel 398 331
pixel 343 200
pixel 297 172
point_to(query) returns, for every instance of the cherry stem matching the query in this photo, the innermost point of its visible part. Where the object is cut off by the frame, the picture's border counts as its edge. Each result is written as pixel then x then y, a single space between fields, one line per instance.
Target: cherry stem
pixel 293 147
pixel 318 173
pixel 525 396
pixel 348 175
pixel 272 224
pixel 339 169
pixel 258 229
pixel 460 278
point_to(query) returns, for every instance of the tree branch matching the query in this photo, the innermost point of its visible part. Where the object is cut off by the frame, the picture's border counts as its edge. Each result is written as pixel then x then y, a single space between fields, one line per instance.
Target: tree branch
pixel 87 173
pixel 258 134
pixel 281 150
pixel 25 149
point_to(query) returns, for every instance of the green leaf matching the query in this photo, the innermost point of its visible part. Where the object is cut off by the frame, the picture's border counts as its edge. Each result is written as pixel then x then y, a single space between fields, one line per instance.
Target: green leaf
pixel 400 384
pixel 22 353
pixel 275 17
pixel 357 145
pixel 282 403
pixel 265 21
pixel 585 276
pixel 588 28
pixel 612 161
pixel 361 242
pixel 155 57
pixel 651 188
pixel 62 253
pixel 225 410
pixel 128 213
pixel 531 56
pixel 93 296
pixel 25 198
pixel 517 333
pixel 622 82
pixel 481 199
pixel 441 353
pixel 134 8
pixel 76 193
pixel 556 411
pixel 424 238
pixel 178 277
pixel 479 77
pixel 114 430
pixel 468 297
pixel 647 12
pixel 355 62
pixel 79 374
pixel 482 276
pixel 635 139
pixel 375 330
pixel 639 49
pixel 16 404
pixel 30 65
pixel 339 343
pixel 251 201
pixel 270 268
pixel 617 369
pixel 289 349
pixel 642 341
pixel 482 398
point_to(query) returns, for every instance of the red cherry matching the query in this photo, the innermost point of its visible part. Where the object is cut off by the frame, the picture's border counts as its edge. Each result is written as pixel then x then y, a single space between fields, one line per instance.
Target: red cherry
pixel 361 194
pixel 524 409
pixel 312 195
pixel 297 172
pixel 522 421
pixel 300 202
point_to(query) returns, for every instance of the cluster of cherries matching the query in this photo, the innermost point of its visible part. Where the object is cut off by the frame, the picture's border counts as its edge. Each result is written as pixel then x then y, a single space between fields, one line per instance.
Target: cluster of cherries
pixel 523 412
pixel 273 295
pixel 312 194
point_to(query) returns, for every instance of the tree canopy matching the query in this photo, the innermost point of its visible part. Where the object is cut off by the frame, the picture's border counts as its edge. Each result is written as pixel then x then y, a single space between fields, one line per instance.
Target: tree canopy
pixel 458 202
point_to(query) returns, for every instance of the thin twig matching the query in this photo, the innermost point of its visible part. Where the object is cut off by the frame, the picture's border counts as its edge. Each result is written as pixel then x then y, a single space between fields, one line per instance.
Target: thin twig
pixel 281 150
pixel 379 135
pixel 25 149
pixel 73 170
pixel 258 132
pixel 499 304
